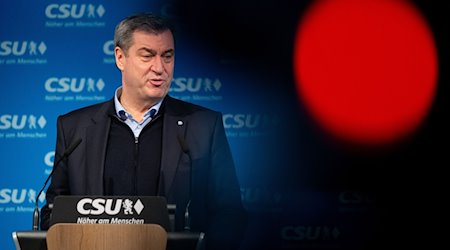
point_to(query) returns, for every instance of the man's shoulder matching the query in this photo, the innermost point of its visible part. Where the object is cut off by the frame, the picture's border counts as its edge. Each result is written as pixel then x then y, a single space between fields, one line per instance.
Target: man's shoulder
pixel 89 111
pixel 187 108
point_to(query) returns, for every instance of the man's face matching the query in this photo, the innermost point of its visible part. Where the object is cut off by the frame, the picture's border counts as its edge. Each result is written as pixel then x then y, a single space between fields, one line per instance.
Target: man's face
pixel 147 67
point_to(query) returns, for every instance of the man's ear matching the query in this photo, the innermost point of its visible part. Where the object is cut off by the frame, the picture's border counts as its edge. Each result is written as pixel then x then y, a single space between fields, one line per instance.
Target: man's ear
pixel 119 55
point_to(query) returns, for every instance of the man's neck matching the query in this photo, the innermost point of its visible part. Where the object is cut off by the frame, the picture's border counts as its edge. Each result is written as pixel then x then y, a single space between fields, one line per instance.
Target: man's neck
pixel 137 108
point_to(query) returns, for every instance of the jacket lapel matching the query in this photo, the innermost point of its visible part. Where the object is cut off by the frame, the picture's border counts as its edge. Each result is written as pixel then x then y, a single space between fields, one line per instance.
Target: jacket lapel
pixel 97 138
pixel 174 125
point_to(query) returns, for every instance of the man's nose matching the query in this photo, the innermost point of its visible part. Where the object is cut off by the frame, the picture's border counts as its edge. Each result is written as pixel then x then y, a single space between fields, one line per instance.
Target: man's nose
pixel 157 65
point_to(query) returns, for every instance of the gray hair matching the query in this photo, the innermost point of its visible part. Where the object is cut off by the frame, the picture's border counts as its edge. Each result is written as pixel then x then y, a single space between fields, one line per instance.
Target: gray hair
pixel 141 22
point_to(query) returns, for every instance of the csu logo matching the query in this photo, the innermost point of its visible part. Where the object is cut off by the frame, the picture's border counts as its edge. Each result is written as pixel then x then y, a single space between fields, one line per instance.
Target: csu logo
pixel 182 84
pixel 108 48
pixel 249 121
pixel 100 206
pixel 75 85
pixel 310 233
pixel 49 158
pixel 64 11
pixel 19 196
pixel 19 122
pixel 21 48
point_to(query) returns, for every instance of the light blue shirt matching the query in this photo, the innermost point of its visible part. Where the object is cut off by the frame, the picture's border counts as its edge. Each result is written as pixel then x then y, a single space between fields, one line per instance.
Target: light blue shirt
pixel 128 119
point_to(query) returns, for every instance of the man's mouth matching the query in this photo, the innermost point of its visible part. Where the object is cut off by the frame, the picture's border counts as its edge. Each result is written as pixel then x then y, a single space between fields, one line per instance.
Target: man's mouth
pixel 156 81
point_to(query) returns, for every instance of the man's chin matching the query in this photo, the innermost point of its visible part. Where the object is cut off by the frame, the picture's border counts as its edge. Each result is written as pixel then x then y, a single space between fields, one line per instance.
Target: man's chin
pixel 156 96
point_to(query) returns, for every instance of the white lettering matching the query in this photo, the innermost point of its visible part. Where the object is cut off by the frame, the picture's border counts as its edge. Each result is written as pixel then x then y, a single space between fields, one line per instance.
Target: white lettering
pixel 108 48
pixel 108 207
pixel 74 85
pixel 9 47
pixel 64 11
pixel 12 195
pixel 80 206
pixel 12 121
pixel 98 206
pixel 49 158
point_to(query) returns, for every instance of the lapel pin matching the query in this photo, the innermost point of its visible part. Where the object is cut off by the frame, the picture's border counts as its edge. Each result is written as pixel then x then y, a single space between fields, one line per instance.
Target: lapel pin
pixel 180 123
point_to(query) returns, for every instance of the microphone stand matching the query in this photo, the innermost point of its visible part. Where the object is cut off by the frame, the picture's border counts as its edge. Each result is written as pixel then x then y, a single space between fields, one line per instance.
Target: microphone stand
pixel 187 219
pixel 65 155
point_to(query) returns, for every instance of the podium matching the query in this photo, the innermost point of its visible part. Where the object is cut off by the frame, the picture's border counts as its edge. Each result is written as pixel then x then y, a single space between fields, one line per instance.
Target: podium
pixel 106 237
pixel 110 222
pixel 36 240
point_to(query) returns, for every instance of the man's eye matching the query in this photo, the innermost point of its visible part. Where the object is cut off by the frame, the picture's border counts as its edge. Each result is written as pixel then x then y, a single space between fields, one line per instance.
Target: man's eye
pixel 168 57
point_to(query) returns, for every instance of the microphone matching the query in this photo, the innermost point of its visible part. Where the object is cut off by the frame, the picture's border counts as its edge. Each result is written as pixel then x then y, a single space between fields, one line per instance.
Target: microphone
pixel 185 149
pixel 65 154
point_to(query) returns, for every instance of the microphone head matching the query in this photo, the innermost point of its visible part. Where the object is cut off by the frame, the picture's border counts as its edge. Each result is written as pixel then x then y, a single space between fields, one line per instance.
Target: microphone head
pixel 36 218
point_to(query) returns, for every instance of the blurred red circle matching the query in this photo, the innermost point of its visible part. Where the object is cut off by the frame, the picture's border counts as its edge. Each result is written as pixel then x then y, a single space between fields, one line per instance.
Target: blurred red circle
pixel 365 70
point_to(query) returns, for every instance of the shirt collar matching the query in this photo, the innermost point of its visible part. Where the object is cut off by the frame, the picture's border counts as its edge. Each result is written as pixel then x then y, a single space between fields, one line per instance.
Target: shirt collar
pixel 123 114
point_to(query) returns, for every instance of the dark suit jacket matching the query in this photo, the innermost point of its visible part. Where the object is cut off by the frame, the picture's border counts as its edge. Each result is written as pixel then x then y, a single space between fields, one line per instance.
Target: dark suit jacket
pixel 215 196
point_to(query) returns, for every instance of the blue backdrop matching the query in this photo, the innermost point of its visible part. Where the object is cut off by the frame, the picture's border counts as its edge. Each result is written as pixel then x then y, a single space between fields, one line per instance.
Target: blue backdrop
pixel 302 191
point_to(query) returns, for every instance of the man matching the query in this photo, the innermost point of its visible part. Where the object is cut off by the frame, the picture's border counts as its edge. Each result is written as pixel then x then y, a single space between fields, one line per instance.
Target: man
pixel 144 142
